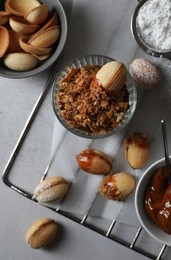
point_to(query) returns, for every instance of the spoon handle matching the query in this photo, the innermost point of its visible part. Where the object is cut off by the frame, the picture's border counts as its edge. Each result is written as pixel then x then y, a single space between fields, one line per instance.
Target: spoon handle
pixel 166 150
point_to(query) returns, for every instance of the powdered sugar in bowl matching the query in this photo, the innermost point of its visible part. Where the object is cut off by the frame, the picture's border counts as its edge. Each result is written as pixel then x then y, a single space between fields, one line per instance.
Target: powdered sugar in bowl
pixel 151 27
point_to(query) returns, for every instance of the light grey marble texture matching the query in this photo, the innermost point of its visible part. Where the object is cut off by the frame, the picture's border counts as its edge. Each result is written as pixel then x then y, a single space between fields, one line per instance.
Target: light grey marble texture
pixel 94 27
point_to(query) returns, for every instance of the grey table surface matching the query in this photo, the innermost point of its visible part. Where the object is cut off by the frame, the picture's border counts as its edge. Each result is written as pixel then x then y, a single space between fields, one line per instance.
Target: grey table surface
pixel 95 27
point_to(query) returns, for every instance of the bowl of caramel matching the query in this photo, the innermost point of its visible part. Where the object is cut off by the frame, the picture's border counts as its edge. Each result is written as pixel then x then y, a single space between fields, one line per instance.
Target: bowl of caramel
pixel 93 96
pixel 153 202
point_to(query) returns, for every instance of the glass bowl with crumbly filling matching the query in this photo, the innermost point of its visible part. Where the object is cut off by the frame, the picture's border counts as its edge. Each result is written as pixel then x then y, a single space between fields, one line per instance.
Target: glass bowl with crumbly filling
pixel 86 112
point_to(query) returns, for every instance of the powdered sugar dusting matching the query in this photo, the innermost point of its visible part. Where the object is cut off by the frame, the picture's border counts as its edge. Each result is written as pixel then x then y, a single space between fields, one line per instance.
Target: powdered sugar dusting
pixel 165 68
pixel 144 73
pixel 153 22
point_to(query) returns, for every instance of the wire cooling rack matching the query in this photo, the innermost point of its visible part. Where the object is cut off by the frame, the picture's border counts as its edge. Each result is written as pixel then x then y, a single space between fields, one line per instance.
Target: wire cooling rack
pixel 111 232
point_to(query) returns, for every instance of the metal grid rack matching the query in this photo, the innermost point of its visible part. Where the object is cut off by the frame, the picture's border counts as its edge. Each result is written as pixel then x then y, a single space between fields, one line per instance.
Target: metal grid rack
pixel 108 233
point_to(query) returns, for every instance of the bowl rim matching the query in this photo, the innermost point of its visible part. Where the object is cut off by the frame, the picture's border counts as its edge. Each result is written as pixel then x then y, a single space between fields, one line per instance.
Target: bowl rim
pixel 76 131
pixel 138 206
pixel 54 56
pixel 149 50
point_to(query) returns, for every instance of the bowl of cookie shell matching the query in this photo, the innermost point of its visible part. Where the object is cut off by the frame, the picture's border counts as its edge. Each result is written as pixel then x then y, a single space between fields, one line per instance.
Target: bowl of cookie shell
pixel 33 34
pixel 93 96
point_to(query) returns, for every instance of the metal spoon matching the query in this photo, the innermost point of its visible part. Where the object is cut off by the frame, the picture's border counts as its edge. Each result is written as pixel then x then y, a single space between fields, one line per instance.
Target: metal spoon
pixel 166 150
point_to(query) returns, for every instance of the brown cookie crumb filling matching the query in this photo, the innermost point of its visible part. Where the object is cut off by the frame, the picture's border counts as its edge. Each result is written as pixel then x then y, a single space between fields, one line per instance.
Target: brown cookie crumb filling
pixel 88 109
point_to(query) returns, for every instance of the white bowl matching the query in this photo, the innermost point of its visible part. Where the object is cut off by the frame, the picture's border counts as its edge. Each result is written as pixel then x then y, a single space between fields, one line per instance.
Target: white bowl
pixel 53 5
pixel 144 219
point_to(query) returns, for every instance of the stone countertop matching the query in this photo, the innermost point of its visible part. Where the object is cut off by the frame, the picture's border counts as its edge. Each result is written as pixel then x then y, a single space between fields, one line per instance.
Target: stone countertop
pixel 95 27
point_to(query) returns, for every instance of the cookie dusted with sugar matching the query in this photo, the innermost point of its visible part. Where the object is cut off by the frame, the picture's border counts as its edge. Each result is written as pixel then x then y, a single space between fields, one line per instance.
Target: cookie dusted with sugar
pixel 144 73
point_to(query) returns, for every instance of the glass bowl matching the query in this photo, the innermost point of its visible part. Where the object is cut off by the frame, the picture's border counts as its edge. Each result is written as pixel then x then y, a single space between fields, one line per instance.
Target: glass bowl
pixel 92 60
